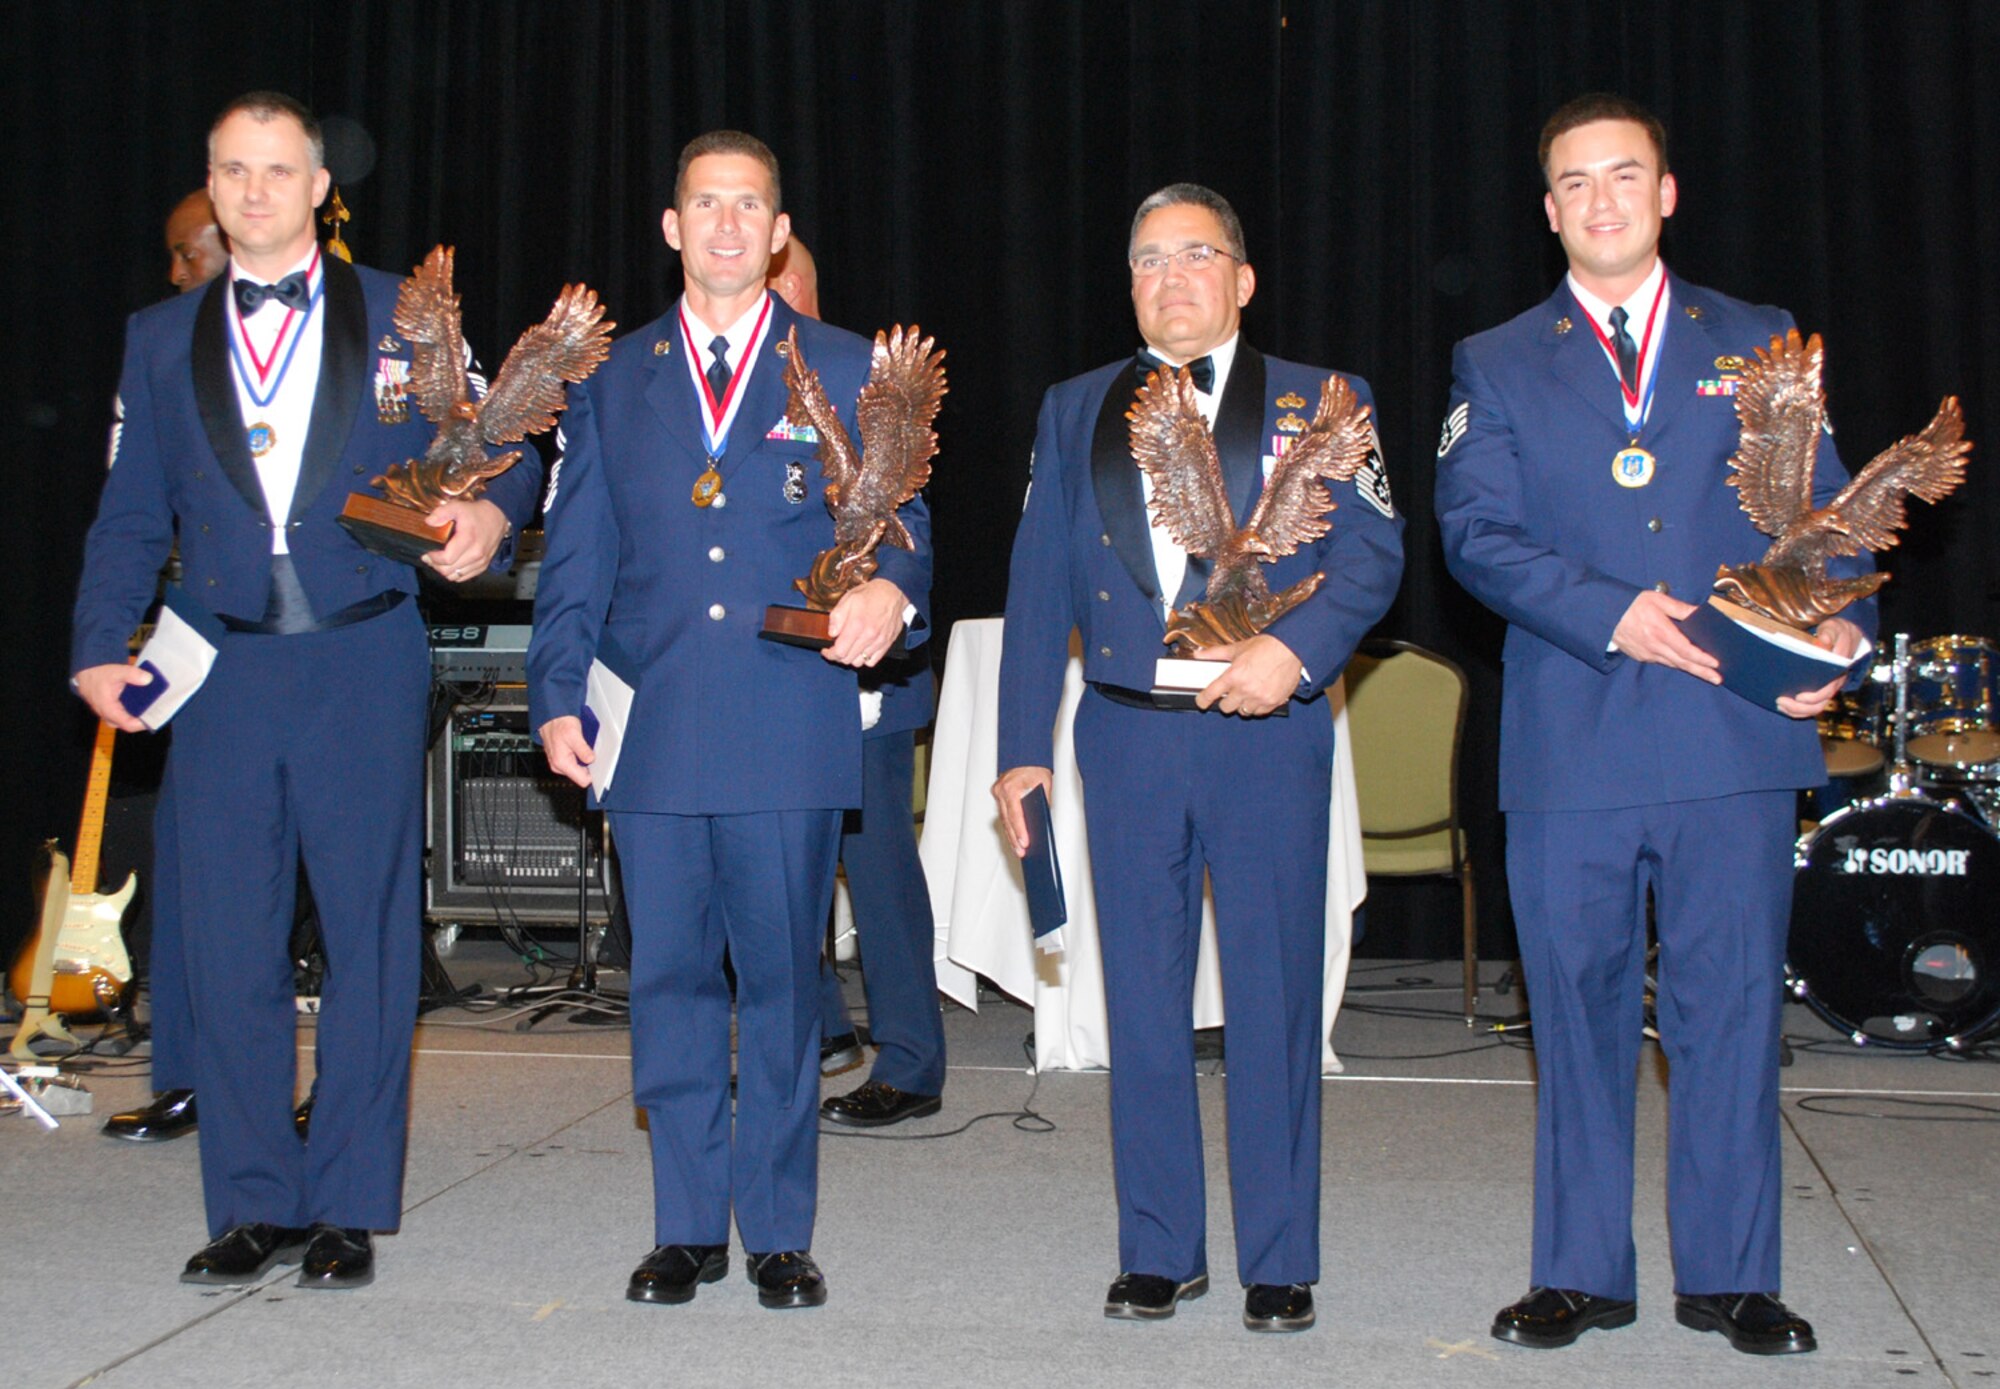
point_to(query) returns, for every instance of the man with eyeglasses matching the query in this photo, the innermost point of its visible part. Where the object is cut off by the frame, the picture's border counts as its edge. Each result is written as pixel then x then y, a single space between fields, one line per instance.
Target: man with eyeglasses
pixel 1226 788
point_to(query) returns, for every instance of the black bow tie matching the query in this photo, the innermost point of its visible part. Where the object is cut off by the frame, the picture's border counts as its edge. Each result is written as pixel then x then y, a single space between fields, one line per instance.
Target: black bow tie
pixel 290 291
pixel 1202 368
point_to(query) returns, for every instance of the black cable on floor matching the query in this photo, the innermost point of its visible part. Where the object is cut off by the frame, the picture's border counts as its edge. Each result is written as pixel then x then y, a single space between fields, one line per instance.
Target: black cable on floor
pixel 1824 1104
pixel 1026 1119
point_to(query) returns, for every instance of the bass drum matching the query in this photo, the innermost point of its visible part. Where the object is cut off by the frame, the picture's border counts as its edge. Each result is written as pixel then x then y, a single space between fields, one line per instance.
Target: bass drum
pixel 1894 938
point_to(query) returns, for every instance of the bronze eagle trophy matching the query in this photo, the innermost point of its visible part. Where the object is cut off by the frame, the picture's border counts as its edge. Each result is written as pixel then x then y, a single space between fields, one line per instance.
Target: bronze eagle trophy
pixel 1191 502
pixel 1781 405
pixel 864 487
pixel 524 399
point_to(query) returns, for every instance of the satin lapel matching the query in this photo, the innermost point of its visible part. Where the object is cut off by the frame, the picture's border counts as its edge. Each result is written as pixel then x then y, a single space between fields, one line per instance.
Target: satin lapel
pixel 1115 479
pixel 215 395
pixel 1239 428
pixel 1577 358
pixel 764 393
pixel 343 362
pixel 1685 356
pixel 671 393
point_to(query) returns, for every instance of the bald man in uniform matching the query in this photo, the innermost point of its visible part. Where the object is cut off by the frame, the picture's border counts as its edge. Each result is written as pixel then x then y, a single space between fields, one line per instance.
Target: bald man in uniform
pixel 196 253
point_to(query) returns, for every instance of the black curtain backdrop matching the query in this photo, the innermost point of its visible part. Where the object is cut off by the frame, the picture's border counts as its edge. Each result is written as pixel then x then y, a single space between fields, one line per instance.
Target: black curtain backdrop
pixel 973 166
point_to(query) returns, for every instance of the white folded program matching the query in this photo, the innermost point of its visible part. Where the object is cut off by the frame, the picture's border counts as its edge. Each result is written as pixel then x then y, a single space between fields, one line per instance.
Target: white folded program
pixel 178 658
pixel 607 705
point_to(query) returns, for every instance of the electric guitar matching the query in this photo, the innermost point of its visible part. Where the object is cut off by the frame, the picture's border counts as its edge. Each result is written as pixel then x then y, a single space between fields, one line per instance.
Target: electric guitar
pixel 76 961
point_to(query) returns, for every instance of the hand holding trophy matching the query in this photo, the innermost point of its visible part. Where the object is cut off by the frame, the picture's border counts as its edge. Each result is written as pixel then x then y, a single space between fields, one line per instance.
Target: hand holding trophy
pixel 525 399
pixel 1759 620
pixel 1174 448
pixel 863 489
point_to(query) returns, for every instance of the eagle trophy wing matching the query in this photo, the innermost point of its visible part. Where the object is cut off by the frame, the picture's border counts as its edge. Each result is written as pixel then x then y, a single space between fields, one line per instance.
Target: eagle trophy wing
pixel 567 346
pixel 1175 450
pixel 1869 510
pixel 427 316
pixel 806 403
pixel 1781 408
pixel 1295 503
pixel 905 387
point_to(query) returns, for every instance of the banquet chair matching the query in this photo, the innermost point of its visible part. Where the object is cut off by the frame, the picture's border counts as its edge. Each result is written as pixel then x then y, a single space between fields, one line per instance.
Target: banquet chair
pixel 1405 719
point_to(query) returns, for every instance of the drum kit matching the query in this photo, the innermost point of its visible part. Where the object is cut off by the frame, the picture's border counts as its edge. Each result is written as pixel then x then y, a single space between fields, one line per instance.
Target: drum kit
pixel 1894 938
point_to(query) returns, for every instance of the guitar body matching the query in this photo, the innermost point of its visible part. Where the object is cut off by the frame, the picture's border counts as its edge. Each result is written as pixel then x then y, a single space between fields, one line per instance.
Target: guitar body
pixel 89 963
pixel 76 961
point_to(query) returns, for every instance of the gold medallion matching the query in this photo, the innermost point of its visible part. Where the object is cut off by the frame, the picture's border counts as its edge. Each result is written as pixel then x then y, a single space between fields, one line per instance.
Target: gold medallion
pixel 261 438
pixel 706 487
pixel 1632 467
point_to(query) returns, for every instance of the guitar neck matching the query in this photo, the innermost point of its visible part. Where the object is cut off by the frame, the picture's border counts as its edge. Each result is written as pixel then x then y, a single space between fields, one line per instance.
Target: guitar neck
pixel 90 829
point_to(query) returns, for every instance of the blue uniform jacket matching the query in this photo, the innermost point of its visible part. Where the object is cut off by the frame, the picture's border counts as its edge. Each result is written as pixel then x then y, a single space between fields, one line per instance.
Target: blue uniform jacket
pixel 180 460
pixel 1538 529
pixel 1083 557
pixel 672 595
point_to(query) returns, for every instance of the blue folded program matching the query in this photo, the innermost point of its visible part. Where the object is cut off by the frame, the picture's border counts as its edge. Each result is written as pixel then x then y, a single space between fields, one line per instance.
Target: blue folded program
pixel 1040 870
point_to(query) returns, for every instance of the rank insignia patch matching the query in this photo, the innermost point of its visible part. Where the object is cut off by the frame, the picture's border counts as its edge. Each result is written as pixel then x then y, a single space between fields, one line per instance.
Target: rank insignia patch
pixel 1454 427
pixel 1372 479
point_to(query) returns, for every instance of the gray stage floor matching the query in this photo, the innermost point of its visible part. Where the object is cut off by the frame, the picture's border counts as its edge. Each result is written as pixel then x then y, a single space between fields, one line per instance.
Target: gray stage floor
pixel 973 1249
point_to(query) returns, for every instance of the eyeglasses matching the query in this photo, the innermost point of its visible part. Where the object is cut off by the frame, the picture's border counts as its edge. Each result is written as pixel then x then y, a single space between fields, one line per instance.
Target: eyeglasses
pixel 1191 258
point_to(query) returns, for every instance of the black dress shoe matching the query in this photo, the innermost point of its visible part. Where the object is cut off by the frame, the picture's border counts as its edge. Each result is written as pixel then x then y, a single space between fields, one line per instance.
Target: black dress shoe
pixel 302 1117
pixel 840 1054
pixel 244 1254
pixel 788 1279
pixel 1148 1296
pixel 878 1103
pixel 170 1115
pixel 1278 1307
pixel 1550 1317
pixel 338 1258
pixel 671 1272
pixel 1755 1323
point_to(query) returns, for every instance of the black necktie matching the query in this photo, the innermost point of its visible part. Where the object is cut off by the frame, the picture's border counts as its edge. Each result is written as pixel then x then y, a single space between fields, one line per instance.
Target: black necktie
pixel 1202 368
pixel 290 291
pixel 1628 352
pixel 718 370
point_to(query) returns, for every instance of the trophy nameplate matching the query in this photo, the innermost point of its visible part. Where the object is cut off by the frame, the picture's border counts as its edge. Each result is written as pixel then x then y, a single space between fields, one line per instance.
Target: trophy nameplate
pixel 395 532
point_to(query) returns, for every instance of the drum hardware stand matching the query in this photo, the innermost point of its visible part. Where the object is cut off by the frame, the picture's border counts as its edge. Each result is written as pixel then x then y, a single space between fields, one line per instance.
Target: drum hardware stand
pixel 1902 775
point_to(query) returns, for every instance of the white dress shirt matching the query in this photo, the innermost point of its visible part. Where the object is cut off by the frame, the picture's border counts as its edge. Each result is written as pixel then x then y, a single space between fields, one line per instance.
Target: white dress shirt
pixel 273 335
pixel 1637 308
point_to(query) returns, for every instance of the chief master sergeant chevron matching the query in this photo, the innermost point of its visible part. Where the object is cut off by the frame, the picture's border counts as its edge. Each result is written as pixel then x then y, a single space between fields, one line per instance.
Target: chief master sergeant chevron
pixel 1173 791
pixel 684 503
pixel 1582 488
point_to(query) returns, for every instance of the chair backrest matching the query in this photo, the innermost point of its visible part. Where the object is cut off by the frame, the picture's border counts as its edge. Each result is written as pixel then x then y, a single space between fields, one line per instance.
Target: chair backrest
pixel 1405 715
